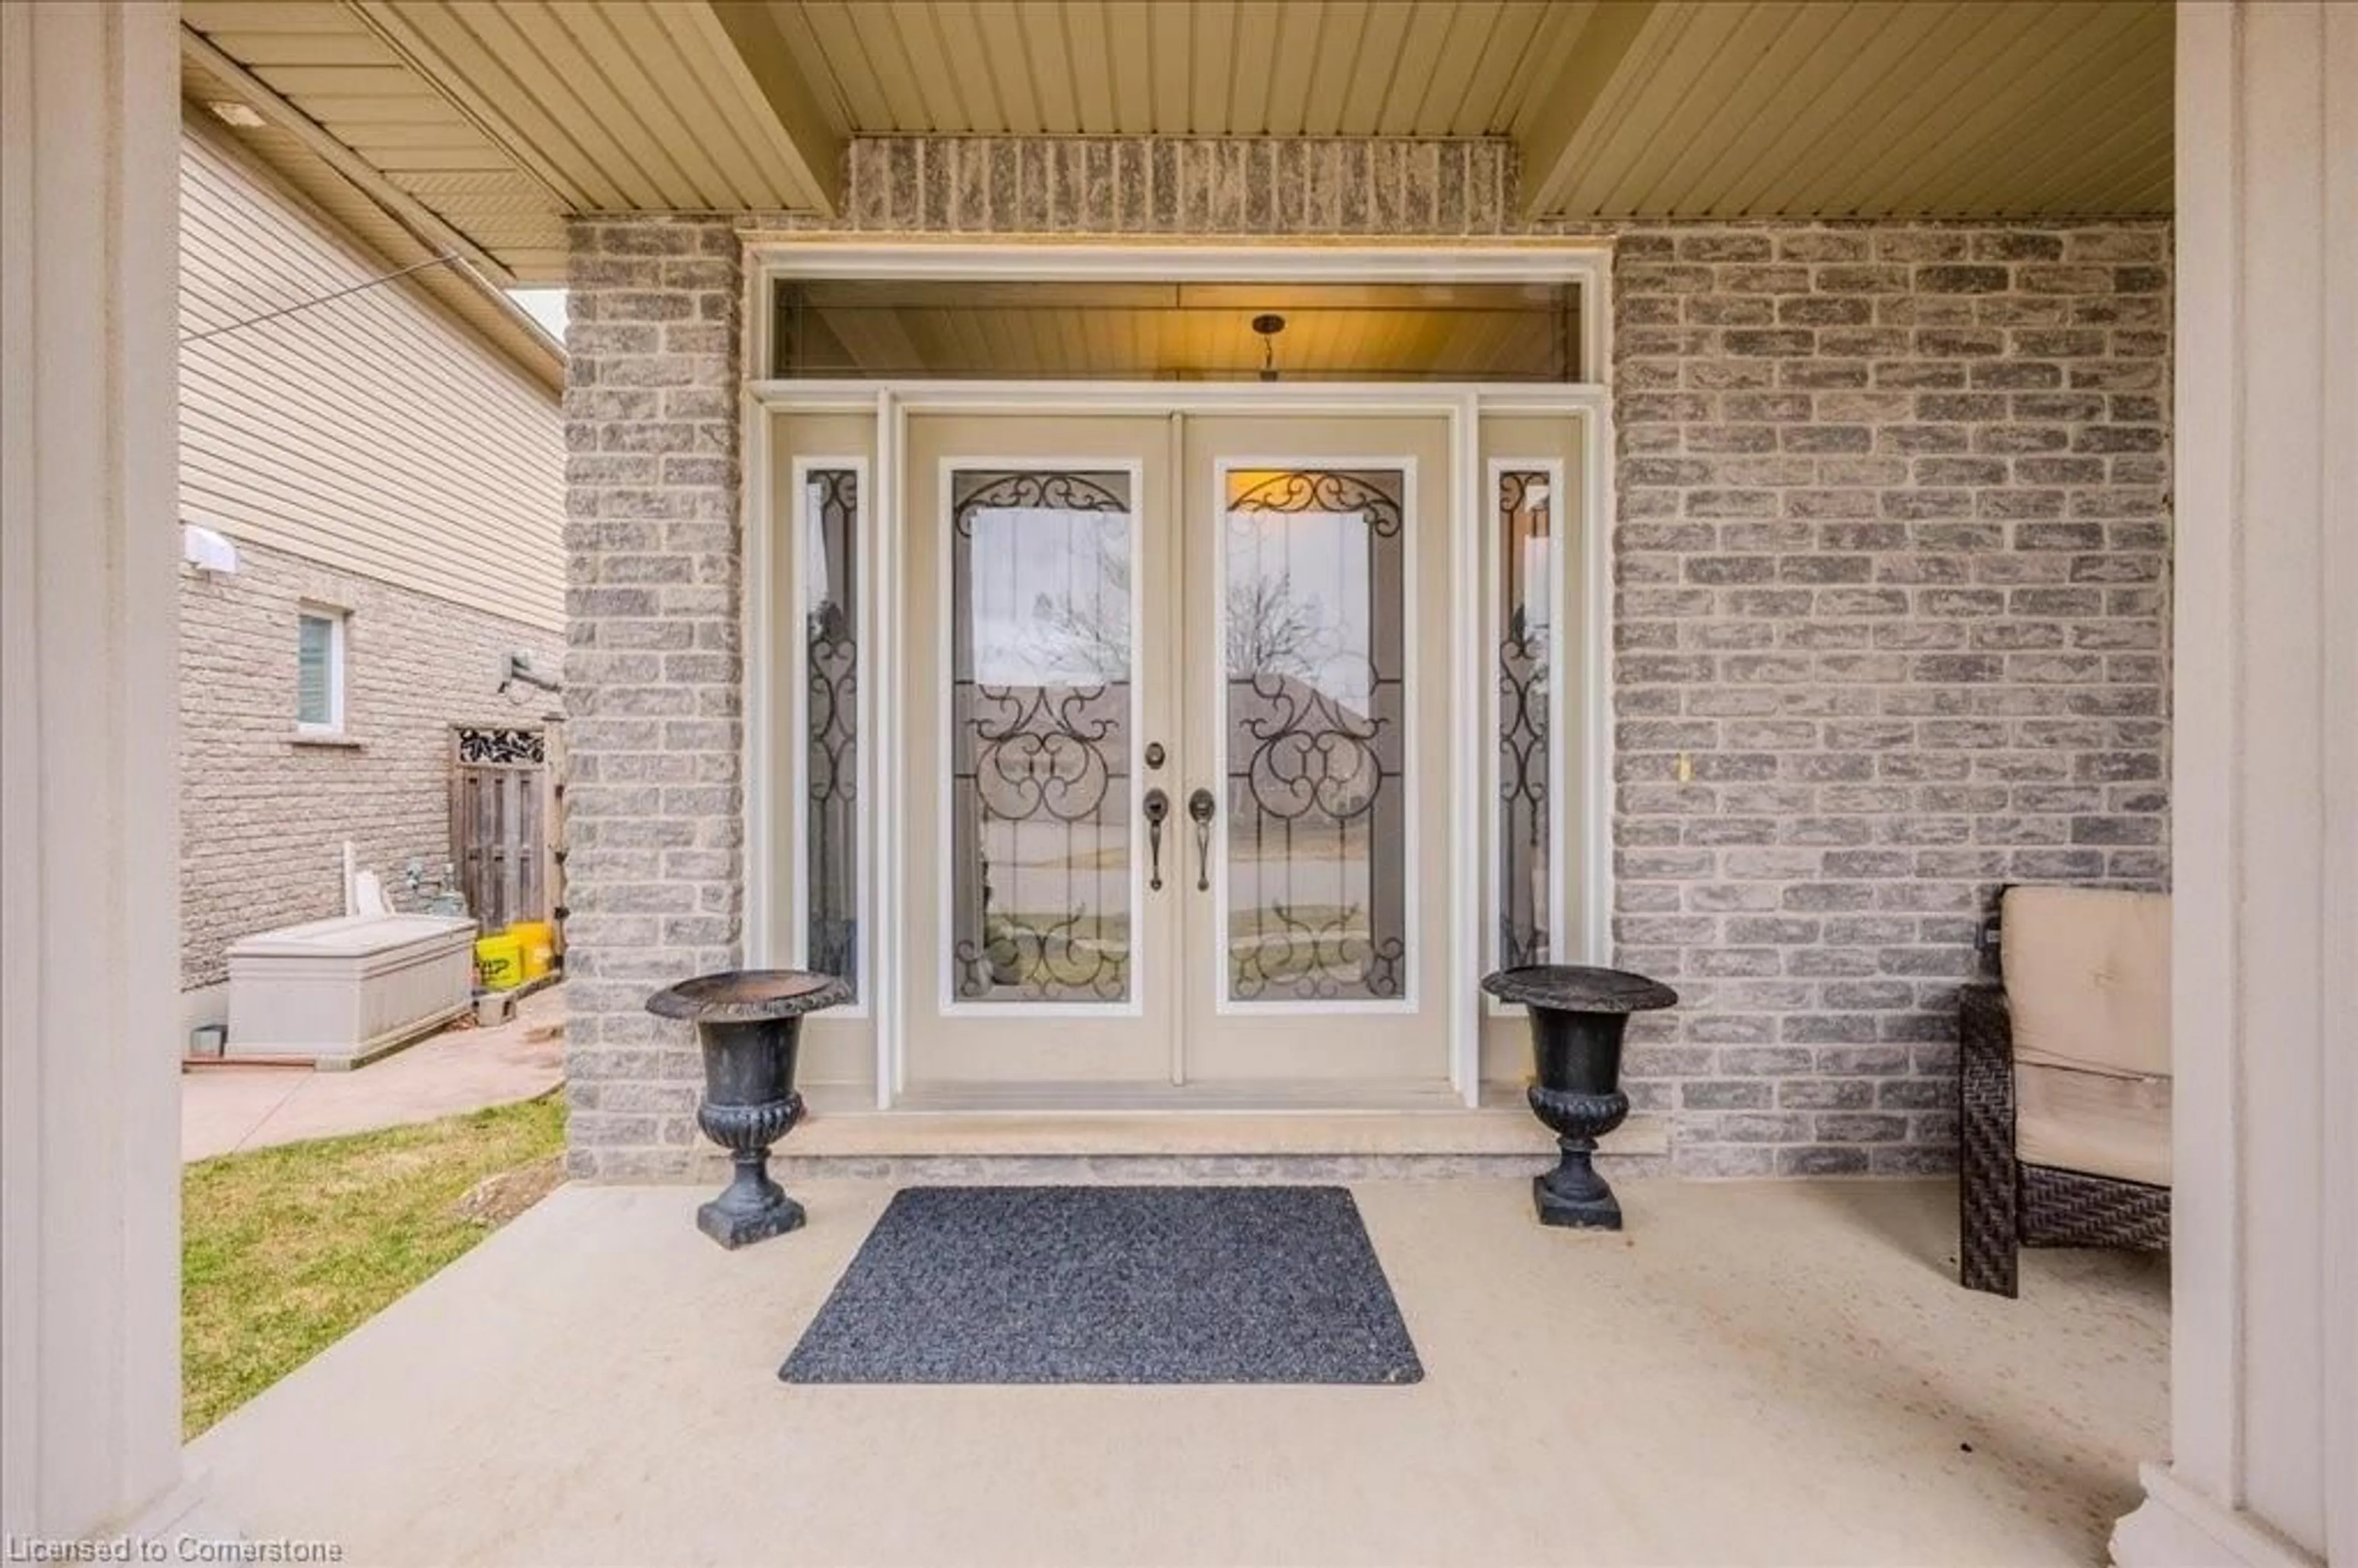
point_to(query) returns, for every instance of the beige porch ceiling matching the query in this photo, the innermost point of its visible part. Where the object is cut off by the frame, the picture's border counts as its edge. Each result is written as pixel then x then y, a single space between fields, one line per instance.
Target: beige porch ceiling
pixel 500 119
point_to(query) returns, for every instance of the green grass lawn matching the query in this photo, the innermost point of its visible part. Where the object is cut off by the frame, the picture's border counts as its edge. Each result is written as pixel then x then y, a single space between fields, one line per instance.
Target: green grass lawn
pixel 286 1251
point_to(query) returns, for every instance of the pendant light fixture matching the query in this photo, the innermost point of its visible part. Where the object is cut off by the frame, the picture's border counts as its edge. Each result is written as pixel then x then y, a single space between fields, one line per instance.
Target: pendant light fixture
pixel 1268 325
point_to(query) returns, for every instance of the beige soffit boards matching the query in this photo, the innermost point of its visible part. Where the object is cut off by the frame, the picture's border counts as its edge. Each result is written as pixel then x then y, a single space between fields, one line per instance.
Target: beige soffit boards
pixel 1619 108
pixel 1260 67
pixel 502 118
pixel 1890 108
pixel 321 59
pixel 627 107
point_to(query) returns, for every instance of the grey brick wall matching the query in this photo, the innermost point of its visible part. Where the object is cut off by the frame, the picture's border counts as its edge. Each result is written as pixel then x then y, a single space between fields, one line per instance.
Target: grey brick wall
pixel 1891 574
pixel 1890 577
pixel 263 816
pixel 653 673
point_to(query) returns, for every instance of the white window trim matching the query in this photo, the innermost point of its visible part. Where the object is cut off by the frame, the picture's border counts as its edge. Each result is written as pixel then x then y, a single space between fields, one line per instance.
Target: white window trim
pixel 338 619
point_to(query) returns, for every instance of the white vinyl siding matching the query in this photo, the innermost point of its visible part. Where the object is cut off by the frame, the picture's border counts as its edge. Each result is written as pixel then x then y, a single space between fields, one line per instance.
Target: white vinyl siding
pixel 371 433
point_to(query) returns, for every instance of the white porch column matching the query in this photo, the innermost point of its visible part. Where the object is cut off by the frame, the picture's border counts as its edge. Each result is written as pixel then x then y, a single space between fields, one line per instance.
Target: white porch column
pixel 2264 1251
pixel 88 886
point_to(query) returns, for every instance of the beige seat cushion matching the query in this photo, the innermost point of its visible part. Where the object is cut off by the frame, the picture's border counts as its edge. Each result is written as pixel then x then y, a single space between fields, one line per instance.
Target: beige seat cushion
pixel 2087 989
pixel 2101 1123
pixel 2087 978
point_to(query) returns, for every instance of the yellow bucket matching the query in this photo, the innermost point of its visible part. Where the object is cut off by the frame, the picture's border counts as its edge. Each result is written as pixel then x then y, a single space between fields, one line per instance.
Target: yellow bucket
pixel 538 940
pixel 499 962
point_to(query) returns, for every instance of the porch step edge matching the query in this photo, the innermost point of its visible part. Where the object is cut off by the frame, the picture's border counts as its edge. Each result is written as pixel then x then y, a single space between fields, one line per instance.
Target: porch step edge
pixel 1085 1169
pixel 1511 1139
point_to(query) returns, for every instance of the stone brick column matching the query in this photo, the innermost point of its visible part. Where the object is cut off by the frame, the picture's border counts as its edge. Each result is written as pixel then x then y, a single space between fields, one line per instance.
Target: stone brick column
pixel 653 676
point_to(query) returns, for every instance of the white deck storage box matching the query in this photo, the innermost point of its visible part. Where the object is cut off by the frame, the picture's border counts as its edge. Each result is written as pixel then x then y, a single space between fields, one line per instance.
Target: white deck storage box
pixel 340 992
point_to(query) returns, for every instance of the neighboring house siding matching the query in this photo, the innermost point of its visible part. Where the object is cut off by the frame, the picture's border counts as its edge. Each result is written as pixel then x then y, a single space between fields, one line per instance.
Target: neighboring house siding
pixel 369 432
pixel 369 455
pixel 264 813
pixel 1891 567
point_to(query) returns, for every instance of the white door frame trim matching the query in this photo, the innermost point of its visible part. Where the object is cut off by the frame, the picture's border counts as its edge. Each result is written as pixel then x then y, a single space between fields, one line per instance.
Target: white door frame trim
pixel 1587 263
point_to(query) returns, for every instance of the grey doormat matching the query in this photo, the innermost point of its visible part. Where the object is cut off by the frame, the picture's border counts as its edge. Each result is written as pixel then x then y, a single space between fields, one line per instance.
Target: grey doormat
pixel 1111 1285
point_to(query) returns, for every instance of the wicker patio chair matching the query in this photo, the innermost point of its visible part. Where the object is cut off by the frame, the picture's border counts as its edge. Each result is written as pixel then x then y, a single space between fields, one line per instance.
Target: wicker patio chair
pixel 2063 1082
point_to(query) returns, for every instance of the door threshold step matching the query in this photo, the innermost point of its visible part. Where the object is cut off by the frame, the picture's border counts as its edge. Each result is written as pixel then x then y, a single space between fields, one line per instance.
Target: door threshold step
pixel 1512 1136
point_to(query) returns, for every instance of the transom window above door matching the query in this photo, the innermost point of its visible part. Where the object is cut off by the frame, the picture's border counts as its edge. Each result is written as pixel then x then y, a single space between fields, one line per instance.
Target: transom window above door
pixel 965 329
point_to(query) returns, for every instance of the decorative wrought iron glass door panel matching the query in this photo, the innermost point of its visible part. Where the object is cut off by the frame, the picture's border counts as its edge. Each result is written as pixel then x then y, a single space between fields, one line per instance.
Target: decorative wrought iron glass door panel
pixel 1042 729
pixel 829 510
pixel 1313 883
pixel 1317 580
pixel 1525 630
pixel 1036 725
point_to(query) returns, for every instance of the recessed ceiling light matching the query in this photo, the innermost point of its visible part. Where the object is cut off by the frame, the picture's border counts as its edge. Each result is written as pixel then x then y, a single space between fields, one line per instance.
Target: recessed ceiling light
pixel 229 112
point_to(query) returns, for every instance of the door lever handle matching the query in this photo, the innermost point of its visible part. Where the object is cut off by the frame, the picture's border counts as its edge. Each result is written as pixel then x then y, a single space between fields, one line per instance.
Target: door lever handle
pixel 1200 806
pixel 1157 805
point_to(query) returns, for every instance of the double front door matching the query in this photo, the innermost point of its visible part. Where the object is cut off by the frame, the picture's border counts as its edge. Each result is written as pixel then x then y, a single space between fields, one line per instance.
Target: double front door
pixel 1177 741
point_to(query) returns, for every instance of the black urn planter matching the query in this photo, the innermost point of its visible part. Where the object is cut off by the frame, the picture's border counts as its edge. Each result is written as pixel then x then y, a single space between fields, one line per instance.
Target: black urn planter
pixel 749 1022
pixel 1577 1015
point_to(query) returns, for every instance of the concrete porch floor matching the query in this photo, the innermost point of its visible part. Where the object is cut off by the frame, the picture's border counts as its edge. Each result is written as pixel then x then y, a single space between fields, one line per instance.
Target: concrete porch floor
pixel 1772 1373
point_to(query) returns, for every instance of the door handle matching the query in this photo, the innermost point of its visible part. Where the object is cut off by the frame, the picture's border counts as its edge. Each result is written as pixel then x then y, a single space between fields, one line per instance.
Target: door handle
pixel 1200 806
pixel 1158 807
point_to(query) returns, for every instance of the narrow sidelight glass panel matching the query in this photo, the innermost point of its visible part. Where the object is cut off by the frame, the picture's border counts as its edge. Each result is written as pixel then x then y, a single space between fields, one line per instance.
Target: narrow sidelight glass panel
pixel 1526 618
pixel 831 590
pixel 1316 857
pixel 1040 736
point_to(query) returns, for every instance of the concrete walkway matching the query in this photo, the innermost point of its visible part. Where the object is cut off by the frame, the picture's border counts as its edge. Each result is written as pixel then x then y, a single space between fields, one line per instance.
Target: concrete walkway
pixel 227 1109
pixel 1756 1373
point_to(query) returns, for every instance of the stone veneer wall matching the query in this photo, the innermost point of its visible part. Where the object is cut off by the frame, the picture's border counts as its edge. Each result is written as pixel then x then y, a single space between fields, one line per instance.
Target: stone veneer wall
pixel 265 813
pixel 1890 571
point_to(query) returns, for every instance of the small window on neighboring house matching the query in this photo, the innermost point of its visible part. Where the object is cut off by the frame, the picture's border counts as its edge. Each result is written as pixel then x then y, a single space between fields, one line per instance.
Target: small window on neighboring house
pixel 320 672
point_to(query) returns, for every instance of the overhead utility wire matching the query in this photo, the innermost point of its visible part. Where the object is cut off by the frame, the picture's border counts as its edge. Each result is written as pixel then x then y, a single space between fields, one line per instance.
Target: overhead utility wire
pixel 322 299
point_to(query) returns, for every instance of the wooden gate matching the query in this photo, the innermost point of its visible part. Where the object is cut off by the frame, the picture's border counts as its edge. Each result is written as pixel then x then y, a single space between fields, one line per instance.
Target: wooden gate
pixel 504 824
